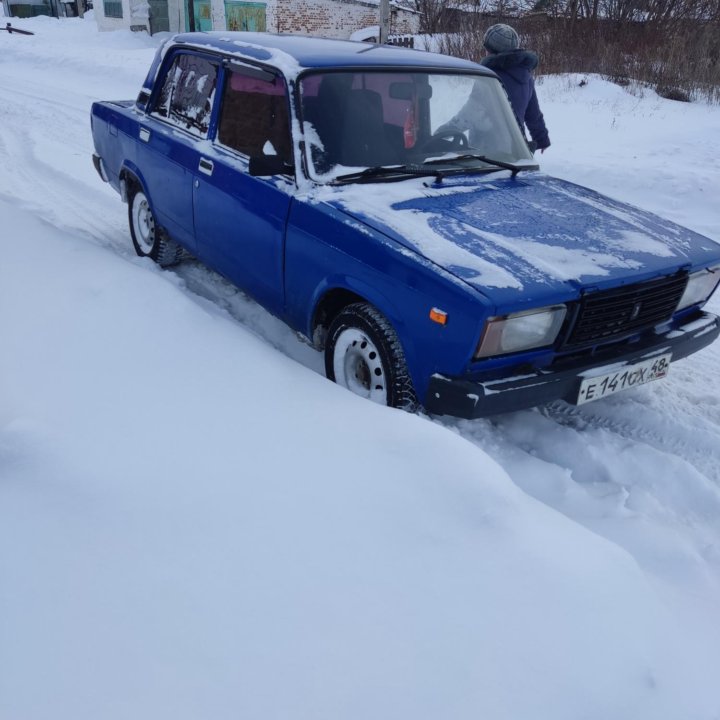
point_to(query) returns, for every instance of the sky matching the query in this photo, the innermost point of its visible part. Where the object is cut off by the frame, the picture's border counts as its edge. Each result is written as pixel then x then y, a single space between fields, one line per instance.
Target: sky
pixel 195 523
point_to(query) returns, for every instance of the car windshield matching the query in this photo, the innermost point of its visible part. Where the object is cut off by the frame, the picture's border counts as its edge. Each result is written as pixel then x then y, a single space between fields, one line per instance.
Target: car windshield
pixel 411 121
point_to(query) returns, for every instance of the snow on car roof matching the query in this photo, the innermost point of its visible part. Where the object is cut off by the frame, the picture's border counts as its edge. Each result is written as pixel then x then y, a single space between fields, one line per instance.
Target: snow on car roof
pixel 314 52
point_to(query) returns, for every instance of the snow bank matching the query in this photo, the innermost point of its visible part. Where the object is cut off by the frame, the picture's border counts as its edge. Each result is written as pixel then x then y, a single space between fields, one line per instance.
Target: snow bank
pixel 203 528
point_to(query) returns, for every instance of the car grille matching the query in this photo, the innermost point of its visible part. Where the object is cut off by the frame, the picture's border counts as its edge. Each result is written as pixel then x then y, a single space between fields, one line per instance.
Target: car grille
pixel 617 313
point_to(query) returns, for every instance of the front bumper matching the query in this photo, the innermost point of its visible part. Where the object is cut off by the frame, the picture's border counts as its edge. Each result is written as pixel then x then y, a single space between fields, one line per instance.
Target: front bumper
pixel 471 398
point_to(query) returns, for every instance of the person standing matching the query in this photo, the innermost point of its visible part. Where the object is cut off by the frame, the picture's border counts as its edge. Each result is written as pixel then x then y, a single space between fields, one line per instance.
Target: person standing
pixel 514 66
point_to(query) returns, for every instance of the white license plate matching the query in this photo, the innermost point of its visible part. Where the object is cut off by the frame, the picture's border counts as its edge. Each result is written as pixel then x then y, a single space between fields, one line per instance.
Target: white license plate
pixel 629 376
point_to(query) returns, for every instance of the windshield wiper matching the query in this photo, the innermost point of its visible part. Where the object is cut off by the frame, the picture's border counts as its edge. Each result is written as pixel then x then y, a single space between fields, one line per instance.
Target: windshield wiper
pixel 388 173
pixel 515 169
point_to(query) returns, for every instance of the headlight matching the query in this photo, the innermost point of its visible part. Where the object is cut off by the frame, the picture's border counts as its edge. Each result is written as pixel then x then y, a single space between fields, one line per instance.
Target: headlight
pixel 700 287
pixel 521 331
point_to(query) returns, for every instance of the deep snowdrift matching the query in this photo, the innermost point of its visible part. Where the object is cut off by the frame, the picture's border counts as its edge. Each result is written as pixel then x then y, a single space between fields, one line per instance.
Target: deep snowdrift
pixel 195 525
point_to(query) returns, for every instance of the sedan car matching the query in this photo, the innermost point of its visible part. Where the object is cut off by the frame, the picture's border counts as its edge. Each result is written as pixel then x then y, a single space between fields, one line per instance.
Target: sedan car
pixel 430 259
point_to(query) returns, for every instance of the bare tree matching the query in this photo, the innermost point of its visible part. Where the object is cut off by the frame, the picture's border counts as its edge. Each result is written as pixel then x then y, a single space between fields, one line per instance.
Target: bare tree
pixel 670 45
pixel 432 13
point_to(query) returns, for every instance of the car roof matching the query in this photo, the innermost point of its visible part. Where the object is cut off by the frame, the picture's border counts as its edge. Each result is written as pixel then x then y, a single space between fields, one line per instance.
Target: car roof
pixel 303 52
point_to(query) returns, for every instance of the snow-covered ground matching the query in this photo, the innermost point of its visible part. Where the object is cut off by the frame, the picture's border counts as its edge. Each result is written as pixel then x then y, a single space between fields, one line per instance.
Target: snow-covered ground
pixel 195 524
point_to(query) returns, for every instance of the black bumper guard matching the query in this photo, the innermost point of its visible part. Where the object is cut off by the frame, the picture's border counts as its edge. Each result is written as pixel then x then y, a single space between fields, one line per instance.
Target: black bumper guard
pixel 473 398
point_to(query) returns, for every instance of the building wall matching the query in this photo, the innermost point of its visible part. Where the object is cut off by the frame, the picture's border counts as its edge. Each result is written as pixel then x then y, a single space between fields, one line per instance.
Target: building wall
pixel 176 14
pixel 111 23
pixel 328 18
pixel 217 10
pixel 134 14
pixel 333 18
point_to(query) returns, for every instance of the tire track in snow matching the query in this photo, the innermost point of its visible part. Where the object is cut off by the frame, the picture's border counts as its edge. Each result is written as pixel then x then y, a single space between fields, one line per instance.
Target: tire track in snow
pixel 209 285
pixel 77 200
pixel 676 433
pixel 52 174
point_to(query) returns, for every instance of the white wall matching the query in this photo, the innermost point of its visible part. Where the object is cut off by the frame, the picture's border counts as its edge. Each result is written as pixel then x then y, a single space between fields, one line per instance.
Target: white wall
pixel 107 23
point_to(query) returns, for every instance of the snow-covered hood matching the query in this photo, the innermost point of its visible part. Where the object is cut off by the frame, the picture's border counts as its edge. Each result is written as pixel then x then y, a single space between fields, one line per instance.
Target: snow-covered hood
pixel 529 237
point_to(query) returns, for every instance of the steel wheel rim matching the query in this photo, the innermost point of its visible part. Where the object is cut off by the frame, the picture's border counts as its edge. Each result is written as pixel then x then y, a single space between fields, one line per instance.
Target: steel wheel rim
pixel 358 367
pixel 144 224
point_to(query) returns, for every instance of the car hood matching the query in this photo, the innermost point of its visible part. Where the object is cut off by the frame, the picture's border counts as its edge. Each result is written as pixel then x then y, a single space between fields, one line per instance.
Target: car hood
pixel 518 240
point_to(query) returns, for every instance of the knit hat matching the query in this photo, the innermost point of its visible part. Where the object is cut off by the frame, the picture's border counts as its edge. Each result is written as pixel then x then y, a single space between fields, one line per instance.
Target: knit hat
pixel 501 38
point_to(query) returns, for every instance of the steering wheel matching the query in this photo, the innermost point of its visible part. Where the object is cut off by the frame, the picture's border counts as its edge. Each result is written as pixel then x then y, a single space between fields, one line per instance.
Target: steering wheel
pixel 445 139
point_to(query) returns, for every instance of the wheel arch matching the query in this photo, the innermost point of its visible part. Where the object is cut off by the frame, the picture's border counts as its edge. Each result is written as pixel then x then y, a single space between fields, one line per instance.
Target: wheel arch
pixel 328 305
pixel 334 296
pixel 131 178
pixel 163 250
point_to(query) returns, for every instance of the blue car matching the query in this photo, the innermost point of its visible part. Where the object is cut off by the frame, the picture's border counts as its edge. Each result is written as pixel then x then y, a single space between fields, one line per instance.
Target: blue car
pixel 384 203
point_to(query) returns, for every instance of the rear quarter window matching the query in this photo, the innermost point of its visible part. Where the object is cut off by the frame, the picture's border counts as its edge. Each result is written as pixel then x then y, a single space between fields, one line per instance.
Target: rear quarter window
pixel 187 94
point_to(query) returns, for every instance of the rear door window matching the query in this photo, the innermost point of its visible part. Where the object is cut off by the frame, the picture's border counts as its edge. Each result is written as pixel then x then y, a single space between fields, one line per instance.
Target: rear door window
pixel 254 116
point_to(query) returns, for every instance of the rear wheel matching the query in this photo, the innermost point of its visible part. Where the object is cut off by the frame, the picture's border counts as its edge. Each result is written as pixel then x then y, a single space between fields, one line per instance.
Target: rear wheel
pixel 364 355
pixel 149 239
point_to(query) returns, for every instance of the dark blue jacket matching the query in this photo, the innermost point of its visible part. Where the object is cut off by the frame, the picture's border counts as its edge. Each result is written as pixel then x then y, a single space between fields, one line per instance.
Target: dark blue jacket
pixel 514 69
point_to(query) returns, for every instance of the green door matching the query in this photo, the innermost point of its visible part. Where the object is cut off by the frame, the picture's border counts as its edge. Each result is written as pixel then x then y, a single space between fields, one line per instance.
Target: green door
pixel 245 16
pixel 201 14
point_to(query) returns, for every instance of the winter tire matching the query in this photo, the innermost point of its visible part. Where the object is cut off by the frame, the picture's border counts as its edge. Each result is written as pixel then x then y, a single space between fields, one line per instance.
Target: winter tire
pixel 364 355
pixel 149 239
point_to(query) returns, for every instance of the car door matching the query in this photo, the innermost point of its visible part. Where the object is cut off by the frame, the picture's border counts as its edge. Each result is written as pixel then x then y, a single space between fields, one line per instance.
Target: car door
pixel 240 219
pixel 168 153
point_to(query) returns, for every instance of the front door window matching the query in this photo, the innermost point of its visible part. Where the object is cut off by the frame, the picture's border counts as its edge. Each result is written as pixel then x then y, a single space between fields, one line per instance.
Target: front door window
pixel 254 117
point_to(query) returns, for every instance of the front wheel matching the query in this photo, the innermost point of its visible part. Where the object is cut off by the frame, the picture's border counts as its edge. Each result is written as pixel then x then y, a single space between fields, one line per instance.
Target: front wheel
pixel 148 239
pixel 364 355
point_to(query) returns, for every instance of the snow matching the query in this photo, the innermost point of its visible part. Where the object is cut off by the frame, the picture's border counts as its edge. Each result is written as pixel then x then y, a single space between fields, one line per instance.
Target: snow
pixel 374 202
pixel 195 524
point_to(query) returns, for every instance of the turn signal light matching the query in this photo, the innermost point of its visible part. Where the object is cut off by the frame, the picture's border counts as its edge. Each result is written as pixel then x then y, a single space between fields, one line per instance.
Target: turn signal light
pixel 438 316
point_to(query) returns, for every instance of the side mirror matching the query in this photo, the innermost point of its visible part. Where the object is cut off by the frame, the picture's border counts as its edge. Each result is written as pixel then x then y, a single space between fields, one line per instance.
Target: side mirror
pixel 142 99
pixel 266 165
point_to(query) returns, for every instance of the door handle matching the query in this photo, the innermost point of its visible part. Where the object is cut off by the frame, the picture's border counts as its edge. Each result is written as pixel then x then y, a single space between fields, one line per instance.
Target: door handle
pixel 144 134
pixel 206 166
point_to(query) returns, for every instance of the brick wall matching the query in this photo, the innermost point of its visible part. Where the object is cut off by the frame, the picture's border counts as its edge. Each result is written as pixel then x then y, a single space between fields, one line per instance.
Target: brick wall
pixel 332 18
pixel 328 18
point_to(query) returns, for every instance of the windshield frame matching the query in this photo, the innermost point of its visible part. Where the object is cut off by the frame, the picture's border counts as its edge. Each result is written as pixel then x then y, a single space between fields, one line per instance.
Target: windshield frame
pixel 444 161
